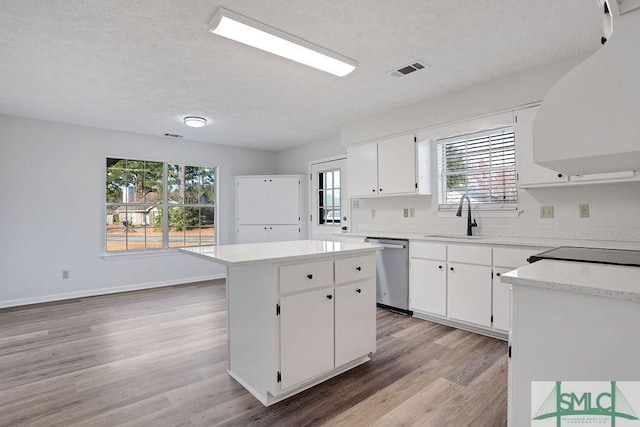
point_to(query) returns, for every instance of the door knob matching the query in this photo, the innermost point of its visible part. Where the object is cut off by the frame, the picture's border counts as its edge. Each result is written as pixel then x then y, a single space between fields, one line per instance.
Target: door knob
pixel 309 276
pixel 451 268
pixel 358 290
pixel 329 296
pixel 359 268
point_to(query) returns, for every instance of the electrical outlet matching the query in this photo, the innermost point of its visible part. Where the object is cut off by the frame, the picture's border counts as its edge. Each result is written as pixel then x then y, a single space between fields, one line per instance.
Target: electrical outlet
pixel 65 274
pixel 584 211
pixel 412 212
pixel 405 212
pixel 546 211
pixel 356 204
pixel 373 213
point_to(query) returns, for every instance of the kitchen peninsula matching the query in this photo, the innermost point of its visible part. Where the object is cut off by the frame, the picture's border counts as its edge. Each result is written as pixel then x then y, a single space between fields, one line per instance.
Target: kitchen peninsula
pixel 299 312
pixel 572 321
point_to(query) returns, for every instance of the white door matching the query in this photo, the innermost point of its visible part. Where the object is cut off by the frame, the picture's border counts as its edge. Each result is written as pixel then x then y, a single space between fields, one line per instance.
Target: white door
pixel 284 201
pixel 281 233
pixel 329 207
pixel 501 301
pixel 362 163
pixel 428 286
pixel 355 321
pixel 252 234
pixel 397 165
pixel 469 293
pixel 251 200
pixel 306 336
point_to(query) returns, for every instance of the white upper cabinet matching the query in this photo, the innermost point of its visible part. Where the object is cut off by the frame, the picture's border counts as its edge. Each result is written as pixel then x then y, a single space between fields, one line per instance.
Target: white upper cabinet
pixel 531 174
pixel 386 167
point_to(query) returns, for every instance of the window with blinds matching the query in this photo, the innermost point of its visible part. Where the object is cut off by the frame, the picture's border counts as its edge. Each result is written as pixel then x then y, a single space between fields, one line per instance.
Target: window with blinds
pixel 481 165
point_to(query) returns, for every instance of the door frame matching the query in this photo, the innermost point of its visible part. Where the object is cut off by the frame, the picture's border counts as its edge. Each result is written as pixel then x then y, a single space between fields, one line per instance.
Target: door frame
pixel 311 191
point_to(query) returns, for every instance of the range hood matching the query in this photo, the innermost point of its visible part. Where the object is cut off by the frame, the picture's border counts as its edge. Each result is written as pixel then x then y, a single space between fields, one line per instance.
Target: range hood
pixel 589 122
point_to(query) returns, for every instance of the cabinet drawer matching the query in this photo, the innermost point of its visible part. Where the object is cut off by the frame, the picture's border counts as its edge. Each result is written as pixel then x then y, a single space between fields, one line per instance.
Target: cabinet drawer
pixel 350 269
pixel 437 251
pixel 470 254
pixel 300 277
pixel 513 257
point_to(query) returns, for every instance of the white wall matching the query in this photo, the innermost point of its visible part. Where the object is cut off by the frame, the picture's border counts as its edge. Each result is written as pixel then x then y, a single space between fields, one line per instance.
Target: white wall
pixel 614 208
pixel 53 213
pixel 296 160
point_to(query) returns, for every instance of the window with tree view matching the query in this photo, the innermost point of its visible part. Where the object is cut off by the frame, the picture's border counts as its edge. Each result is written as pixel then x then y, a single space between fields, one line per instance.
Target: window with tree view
pixel 481 165
pixel 329 197
pixel 156 205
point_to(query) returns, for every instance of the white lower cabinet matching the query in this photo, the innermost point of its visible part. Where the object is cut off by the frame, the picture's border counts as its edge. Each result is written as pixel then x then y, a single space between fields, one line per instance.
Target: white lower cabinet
pixel 355 332
pixel 501 301
pixel 306 335
pixel 428 286
pixel 469 293
pixel 267 233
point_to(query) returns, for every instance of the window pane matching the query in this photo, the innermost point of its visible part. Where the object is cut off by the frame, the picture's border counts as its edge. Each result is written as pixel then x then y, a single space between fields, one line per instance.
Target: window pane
pixel 192 184
pixel 336 198
pixel 336 179
pixel 116 234
pixel 329 179
pixel 321 200
pixel 207 191
pixel 153 182
pixel 175 183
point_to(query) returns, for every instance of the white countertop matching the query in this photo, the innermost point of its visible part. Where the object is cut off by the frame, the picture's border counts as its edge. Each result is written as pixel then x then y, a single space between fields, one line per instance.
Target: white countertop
pixel 257 253
pixel 612 281
pixel 501 240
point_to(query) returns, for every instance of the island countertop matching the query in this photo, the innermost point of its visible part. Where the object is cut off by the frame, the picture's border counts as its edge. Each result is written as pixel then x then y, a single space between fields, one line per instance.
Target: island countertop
pixel 295 250
pixel 614 281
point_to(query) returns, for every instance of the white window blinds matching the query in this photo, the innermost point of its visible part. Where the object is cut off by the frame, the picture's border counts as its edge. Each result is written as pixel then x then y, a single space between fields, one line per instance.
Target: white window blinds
pixel 481 165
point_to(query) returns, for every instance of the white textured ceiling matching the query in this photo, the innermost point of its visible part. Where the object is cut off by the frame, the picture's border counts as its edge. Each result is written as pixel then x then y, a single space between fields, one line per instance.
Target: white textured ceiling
pixel 142 65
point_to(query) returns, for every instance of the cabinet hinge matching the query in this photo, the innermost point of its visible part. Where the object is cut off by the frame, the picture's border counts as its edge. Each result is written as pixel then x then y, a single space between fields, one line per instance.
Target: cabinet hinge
pixel 415 138
pixel 516 118
pixel 277 309
pixel 492 278
pixel 298 230
pixel 492 318
pixel 517 177
pixel 310 218
pixel 279 377
pixel 509 352
pixel 416 185
pixel 310 177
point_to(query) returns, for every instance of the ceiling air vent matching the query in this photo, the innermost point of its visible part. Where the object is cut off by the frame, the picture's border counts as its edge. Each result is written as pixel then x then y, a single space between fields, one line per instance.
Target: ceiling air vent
pixel 408 69
pixel 173 135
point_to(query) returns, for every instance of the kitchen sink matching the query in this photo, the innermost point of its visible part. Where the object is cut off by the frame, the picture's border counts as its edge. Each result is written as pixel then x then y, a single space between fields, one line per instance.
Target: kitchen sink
pixel 456 236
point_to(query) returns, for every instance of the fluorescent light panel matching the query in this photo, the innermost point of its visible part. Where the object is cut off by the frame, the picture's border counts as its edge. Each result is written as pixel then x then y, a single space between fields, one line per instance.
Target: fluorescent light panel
pixel 245 30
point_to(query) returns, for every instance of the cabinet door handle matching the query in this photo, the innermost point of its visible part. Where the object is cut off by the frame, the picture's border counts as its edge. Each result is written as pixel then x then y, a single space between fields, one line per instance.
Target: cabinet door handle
pixel 359 268
pixel 329 296
pixel 309 276
pixel 265 228
pixel 381 189
pixel 451 268
pixel 374 190
pixel 440 267
pixel 358 290
pixel 498 274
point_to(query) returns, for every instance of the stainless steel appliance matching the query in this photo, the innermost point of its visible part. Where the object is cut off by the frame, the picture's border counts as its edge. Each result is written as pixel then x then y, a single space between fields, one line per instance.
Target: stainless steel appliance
pixel 392 274
pixel 593 255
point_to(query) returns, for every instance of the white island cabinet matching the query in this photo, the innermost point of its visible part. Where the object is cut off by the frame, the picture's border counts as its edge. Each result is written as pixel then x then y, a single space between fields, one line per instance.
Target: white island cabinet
pixel 572 321
pixel 299 312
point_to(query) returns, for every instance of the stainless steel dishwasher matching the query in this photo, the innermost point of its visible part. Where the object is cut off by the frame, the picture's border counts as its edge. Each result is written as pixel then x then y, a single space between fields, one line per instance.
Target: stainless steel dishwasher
pixel 392 274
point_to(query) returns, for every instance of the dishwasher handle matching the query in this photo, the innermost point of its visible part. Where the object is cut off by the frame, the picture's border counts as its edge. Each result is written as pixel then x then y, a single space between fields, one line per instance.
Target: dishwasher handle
pixel 386 245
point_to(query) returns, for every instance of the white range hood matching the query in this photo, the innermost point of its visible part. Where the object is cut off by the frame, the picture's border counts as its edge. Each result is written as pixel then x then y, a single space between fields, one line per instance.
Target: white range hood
pixel 589 122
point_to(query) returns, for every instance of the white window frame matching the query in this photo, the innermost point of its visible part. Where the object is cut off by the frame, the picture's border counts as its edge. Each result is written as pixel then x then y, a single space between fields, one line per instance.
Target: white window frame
pixel 165 205
pixel 443 207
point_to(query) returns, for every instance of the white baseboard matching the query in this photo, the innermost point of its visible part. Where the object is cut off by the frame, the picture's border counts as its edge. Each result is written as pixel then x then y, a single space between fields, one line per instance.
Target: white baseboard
pixel 105 291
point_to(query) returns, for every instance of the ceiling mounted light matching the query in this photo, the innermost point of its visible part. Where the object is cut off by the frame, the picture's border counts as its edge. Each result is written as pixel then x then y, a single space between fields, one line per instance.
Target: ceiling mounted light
pixel 245 30
pixel 195 122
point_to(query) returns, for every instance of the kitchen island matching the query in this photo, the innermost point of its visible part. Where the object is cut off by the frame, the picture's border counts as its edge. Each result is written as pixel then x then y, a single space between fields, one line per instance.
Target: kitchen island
pixel 299 312
pixel 572 321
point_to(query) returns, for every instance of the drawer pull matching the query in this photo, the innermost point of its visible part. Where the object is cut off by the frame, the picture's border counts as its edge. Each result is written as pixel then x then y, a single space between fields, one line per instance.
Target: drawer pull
pixel 440 267
pixel 359 268
pixel 309 276
pixel 498 274
pixel 329 296
pixel 358 290
pixel 451 268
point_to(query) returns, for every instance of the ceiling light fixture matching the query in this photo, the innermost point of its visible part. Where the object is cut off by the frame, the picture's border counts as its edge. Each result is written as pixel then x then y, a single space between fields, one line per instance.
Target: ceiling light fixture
pixel 245 30
pixel 195 122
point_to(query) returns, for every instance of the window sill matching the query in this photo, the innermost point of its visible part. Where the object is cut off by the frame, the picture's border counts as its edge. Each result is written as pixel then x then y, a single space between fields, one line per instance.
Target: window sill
pixel 113 256
pixel 479 213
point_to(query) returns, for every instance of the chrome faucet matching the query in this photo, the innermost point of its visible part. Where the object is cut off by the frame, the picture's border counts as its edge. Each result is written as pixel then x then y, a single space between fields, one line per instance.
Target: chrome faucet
pixel 470 224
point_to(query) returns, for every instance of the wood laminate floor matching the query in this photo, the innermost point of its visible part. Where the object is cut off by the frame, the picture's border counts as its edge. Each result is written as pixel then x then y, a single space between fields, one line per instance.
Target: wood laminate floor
pixel 158 358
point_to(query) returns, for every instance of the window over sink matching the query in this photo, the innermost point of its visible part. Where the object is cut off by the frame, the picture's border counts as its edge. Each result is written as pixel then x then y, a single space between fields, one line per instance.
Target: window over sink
pixel 481 165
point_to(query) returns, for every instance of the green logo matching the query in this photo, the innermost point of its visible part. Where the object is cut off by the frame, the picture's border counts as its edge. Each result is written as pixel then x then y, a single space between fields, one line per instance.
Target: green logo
pixel 575 406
